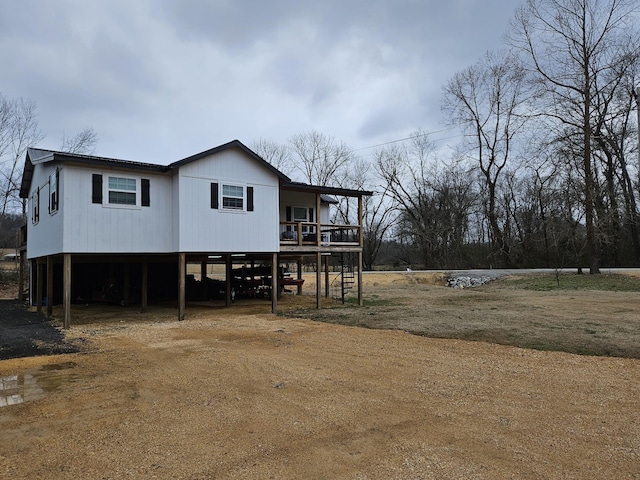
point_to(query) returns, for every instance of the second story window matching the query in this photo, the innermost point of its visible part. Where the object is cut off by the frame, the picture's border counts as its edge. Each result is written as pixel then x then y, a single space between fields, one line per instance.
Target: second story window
pixel 232 197
pixel 122 191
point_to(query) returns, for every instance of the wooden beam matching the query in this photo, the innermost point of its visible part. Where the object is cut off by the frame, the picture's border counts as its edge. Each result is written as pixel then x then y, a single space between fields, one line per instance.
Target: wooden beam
pixel 318 205
pixel 182 282
pixel 145 286
pixel 361 230
pixel 360 299
pixel 39 284
pixel 228 277
pixel 125 284
pixel 203 280
pixel 318 278
pixel 21 275
pixel 299 266
pixel 66 289
pixel 49 286
pixel 275 283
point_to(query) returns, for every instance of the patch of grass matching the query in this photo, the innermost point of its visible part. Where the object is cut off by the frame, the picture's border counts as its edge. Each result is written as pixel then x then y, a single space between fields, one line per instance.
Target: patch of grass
pixel 371 301
pixel 8 276
pixel 602 282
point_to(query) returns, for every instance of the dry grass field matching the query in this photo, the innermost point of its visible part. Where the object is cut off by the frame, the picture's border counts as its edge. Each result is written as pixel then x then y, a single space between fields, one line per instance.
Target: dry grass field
pixel 240 393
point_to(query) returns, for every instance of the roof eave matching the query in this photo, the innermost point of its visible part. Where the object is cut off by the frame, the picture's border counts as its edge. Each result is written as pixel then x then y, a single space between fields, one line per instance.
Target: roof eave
pixel 344 192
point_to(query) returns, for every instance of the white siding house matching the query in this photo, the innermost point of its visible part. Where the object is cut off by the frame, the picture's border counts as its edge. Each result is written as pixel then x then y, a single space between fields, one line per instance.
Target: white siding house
pixel 95 221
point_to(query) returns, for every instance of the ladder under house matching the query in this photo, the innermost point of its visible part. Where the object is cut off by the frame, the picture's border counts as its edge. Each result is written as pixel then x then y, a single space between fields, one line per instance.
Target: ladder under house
pixel 344 281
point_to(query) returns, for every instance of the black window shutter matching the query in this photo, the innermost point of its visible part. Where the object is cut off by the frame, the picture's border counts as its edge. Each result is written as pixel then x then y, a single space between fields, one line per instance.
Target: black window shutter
pixel 288 214
pixel 146 198
pixel 249 199
pixel 311 215
pixel 56 196
pixel 214 195
pixel 96 192
pixel 37 209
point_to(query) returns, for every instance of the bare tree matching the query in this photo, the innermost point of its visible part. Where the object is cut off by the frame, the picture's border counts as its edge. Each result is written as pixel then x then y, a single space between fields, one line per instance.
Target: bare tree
pixel 379 210
pixel 83 142
pixel 18 131
pixel 434 201
pixel 319 158
pixel 487 100
pixel 570 44
pixel 276 154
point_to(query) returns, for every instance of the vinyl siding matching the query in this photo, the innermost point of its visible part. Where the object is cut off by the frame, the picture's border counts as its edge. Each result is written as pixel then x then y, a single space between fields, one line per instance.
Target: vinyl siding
pixel 45 237
pixel 206 229
pixel 104 228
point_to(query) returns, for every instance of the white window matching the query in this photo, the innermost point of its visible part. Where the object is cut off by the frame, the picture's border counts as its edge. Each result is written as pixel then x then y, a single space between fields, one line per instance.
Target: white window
pixel 303 215
pixel 122 191
pixel 232 197
pixel 300 214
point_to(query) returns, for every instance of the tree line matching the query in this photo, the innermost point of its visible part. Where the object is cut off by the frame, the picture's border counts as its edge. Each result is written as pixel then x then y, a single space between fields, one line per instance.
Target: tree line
pixel 546 173
pixel 20 130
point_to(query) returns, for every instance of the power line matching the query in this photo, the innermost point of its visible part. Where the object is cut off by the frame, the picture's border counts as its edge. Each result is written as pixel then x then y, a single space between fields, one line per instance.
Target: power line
pixel 410 138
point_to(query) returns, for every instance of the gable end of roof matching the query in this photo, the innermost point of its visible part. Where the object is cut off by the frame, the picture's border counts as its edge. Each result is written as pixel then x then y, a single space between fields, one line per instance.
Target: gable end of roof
pixel 237 144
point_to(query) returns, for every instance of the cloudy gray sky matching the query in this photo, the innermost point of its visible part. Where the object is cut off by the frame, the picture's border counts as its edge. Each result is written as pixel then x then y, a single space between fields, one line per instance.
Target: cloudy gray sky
pixel 159 80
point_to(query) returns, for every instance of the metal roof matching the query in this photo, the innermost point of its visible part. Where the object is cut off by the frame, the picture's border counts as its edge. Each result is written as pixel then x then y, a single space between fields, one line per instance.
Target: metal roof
pixel 37 156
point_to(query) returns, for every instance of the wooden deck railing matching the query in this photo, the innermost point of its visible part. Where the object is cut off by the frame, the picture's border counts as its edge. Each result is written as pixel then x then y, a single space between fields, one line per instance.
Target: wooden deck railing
pixel 304 233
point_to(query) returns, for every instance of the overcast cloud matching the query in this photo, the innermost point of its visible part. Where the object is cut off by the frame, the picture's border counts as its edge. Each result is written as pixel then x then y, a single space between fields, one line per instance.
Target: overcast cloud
pixel 159 80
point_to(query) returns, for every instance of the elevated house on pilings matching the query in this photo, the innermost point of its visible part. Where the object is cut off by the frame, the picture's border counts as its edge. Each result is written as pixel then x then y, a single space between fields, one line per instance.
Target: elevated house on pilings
pixel 102 229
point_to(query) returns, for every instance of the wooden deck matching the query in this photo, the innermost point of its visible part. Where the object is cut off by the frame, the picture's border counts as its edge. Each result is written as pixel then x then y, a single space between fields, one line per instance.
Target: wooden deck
pixel 301 236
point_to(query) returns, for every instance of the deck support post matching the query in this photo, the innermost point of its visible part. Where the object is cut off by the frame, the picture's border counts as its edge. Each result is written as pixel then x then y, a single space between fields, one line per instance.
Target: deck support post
pixel 39 284
pixel 360 300
pixel 299 267
pixel 125 285
pixel 49 286
pixel 203 280
pixel 21 275
pixel 318 278
pixel 145 286
pixel 360 216
pixel 318 232
pixel 229 278
pixel 66 289
pixel 275 283
pixel 182 283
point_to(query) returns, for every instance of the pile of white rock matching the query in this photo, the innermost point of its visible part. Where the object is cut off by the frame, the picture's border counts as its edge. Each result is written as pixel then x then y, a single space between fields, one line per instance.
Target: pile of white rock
pixel 464 281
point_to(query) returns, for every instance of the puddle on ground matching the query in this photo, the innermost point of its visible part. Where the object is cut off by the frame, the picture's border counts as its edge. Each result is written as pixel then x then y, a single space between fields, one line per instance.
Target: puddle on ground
pixel 27 387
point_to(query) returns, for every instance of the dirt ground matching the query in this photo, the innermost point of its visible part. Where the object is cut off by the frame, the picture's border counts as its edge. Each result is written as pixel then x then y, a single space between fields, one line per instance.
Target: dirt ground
pixel 239 393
